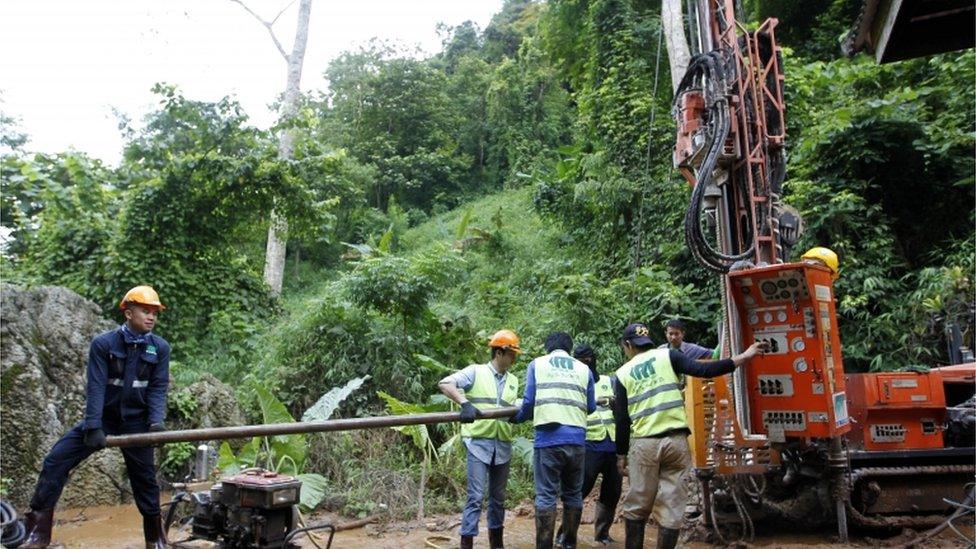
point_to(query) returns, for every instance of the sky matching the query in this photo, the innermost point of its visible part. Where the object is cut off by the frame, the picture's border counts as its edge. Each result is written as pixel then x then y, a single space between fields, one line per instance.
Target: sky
pixel 65 65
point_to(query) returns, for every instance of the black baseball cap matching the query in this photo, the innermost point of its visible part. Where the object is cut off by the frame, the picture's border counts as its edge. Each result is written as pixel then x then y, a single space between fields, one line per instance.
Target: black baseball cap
pixel 637 334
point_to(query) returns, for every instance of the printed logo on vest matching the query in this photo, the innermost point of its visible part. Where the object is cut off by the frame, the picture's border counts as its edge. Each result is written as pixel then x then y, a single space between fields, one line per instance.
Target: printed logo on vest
pixel 644 370
pixel 150 349
pixel 563 362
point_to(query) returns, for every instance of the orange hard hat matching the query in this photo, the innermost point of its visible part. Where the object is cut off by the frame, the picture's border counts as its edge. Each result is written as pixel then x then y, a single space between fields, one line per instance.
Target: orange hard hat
pixel 505 339
pixel 143 295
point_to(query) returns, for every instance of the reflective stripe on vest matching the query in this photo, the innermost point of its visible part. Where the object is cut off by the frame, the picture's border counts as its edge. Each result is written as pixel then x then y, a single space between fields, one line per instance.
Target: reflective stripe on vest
pixel 653 398
pixel 484 395
pixel 560 390
pixel 118 382
pixel 599 424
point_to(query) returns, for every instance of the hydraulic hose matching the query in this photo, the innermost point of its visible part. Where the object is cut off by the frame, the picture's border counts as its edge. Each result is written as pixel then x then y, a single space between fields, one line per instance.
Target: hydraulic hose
pixel 710 69
pixel 13 530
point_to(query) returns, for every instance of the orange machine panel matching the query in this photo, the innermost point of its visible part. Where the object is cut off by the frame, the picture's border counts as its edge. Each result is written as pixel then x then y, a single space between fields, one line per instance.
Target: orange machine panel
pixel 897 410
pixel 795 390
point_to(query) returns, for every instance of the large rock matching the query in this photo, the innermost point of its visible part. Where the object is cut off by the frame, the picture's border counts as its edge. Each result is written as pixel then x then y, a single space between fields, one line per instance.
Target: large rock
pixel 44 337
pixel 214 405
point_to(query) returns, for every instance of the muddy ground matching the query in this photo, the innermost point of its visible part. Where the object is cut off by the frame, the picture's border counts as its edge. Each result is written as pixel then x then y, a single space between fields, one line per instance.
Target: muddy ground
pixel 121 527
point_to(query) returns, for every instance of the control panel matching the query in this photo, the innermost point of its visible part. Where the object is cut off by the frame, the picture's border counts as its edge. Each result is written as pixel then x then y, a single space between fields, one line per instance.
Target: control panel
pixel 897 410
pixel 796 389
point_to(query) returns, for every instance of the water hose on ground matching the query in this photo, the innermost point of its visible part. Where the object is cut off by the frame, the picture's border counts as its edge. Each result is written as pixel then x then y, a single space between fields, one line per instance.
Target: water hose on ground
pixel 13 530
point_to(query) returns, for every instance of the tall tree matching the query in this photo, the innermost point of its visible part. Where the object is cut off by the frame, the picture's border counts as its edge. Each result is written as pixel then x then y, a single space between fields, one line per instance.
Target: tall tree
pixel 274 261
pixel 674 37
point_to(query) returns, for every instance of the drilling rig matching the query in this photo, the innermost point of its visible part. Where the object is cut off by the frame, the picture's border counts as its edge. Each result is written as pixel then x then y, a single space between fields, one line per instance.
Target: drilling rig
pixel 791 435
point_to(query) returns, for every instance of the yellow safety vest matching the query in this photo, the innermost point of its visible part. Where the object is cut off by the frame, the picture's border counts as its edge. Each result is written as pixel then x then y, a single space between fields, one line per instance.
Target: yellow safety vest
pixel 653 398
pixel 484 395
pixel 560 390
pixel 599 424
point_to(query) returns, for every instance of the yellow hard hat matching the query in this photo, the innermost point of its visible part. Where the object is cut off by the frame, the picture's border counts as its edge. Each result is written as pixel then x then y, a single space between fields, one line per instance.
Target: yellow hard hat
pixel 143 295
pixel 825 256
pixel 505 339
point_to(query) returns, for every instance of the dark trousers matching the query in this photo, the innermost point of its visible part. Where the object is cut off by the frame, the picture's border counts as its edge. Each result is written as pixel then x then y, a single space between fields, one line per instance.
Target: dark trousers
pixel 68 452
pixel 497 477
pixel 558 471
pixel 603 463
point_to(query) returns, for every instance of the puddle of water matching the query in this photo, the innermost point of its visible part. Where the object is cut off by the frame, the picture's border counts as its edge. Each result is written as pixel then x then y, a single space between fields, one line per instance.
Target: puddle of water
pixel 99 527
pixel 107 527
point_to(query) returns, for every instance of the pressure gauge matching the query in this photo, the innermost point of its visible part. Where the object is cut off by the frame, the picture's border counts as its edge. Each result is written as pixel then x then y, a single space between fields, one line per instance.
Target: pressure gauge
pixel 798 345
pixel 800 365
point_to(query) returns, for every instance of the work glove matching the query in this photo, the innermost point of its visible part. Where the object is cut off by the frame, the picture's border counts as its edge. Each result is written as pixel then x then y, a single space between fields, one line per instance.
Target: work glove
pixel 157 427
pixel 95 438
pixel 469 413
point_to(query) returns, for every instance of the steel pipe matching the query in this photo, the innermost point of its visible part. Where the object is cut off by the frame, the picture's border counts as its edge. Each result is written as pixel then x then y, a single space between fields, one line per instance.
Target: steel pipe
pixel 247 431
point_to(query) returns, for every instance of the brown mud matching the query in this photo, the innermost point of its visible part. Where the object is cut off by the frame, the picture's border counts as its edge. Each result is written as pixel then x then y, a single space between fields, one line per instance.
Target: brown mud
pixel 108 527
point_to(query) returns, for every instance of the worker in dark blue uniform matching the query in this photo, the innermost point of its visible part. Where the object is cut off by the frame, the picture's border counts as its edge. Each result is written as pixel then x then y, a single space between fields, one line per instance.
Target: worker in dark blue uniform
pixel 128 375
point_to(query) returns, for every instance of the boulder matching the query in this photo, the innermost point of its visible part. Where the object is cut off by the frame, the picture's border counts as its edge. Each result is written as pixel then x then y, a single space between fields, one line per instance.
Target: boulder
pixel 214 405
pixel 44 337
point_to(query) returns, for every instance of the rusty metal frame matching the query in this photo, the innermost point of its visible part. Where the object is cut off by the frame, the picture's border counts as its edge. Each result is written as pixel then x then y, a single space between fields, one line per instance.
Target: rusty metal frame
pixel 719 441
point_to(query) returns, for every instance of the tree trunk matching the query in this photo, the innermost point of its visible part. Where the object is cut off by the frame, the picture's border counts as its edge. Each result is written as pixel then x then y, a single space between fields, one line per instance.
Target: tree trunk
pixel 274 254
pixel 423 487
pixel 274 261
pixel 674 38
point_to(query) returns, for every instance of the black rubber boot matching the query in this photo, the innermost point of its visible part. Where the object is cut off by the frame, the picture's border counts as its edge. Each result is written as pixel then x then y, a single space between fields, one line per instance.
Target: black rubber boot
pixel 635 534
pixel 155 534
pixel 496 538
pixel 571 520
pixel 545 525
pixel 667 538
pixel 38 525
pixel 601 524
pixel 467 542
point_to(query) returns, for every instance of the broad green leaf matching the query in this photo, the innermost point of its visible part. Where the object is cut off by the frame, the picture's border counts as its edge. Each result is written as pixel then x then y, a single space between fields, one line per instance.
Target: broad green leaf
pixel 226 460
pixel 273 411
pixel 314 489
pixel 523 448
pixel 417 433
pixel 462 227
pixel 432 365
pixel 327 404
pixel 449 445
pixel 248 456
pixel 386 241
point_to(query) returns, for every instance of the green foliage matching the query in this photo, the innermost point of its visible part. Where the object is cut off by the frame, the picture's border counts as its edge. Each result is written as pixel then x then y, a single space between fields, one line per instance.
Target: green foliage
pixel 814 27
pixel 369 323
pixel 183 403
pixel 393 113
pixel 175 457
pixel 867 135
pixel 285 454
pixel 418 434
pixel 400 286
pixel 325 406
pixel 520 178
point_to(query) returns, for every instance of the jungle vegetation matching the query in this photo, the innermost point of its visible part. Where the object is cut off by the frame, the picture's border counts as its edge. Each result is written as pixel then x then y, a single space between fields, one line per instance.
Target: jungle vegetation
pixel 519 178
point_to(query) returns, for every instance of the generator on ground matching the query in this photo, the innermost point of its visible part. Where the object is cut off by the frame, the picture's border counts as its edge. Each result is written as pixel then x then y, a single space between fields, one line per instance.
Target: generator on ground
pixel 253 509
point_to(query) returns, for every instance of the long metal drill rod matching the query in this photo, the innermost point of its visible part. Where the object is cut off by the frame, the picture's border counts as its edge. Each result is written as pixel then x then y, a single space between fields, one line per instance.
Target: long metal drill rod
pixel 247 431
